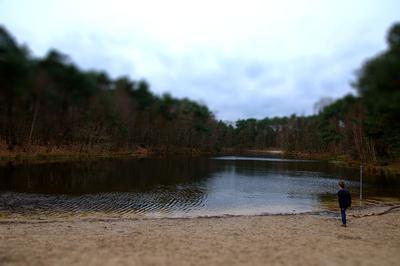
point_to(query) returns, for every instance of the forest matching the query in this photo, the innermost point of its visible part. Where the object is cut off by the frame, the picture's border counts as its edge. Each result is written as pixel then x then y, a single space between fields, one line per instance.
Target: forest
pixel 51 102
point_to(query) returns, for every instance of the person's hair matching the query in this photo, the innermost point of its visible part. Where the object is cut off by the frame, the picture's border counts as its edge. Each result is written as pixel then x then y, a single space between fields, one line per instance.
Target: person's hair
pixel 341 183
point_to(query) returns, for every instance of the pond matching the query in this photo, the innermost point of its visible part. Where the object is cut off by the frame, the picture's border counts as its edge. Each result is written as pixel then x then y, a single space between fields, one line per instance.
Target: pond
pixel 230 185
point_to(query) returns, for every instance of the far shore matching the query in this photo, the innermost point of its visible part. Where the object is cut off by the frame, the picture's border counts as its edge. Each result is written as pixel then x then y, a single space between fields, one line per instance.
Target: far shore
pixel 303 239
pixel 44 154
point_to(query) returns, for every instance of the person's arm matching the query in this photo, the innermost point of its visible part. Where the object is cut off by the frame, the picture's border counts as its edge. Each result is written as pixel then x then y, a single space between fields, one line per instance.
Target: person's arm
pixel 341 199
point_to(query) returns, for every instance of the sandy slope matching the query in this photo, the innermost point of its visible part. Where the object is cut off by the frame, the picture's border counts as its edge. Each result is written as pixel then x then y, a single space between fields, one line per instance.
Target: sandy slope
pixel 257 240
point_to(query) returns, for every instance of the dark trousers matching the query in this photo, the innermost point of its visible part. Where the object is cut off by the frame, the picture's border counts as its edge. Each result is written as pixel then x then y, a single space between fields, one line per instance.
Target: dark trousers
pixel 343 213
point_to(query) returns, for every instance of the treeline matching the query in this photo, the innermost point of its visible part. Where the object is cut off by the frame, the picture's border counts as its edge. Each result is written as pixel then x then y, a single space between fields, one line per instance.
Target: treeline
pixel 50 102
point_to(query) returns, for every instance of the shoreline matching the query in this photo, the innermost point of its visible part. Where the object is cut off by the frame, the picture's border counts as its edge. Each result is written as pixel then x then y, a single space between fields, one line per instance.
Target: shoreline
pixel 355 212
pixel 387 168
pixel 301 239
pixel 41 154
pixel 66 155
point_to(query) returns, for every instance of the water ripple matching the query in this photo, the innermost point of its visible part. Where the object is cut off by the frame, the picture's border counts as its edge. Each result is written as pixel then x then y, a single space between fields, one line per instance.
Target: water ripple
pixel 127 203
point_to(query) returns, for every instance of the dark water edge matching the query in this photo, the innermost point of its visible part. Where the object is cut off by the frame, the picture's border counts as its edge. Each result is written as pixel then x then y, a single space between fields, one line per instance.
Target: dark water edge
pixel 183 187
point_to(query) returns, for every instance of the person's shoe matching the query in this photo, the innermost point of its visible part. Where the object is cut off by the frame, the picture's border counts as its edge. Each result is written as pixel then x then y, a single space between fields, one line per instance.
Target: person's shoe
pixel 344 225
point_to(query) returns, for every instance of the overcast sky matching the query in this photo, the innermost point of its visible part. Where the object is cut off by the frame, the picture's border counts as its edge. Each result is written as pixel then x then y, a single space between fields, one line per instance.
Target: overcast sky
pixel 242 58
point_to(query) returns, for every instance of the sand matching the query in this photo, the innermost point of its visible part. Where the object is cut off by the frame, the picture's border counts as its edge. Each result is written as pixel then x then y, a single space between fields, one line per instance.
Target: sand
pixel 304 239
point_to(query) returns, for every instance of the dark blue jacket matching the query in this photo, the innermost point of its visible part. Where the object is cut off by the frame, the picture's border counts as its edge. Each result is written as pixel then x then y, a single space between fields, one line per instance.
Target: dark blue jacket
pixel 344 198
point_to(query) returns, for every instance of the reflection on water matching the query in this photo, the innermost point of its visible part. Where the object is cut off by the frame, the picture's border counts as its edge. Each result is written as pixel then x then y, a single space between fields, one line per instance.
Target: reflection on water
pixel 182 187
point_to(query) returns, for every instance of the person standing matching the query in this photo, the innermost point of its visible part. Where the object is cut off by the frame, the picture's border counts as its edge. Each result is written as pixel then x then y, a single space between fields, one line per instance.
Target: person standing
pixel 344 199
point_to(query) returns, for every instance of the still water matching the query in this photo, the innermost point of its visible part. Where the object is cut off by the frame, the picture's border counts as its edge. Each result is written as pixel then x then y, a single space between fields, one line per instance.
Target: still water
pixel 193 187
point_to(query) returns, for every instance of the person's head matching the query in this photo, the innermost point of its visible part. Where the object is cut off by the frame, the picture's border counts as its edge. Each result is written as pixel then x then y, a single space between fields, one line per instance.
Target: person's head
pixel 341 184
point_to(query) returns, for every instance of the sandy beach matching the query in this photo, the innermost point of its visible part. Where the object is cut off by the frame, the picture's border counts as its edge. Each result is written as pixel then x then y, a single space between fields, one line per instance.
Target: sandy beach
pixel 305 239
